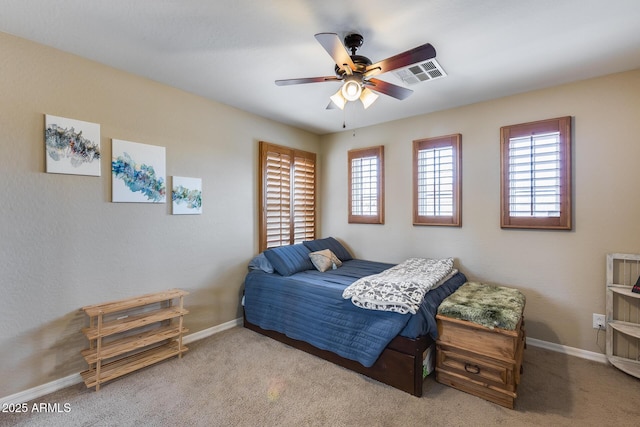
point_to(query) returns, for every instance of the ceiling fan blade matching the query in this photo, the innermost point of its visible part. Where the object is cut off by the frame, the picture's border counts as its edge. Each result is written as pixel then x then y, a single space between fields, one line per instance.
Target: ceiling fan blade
pixel 418 54
pixel 390 89
pixel 333 45
pixel 287 82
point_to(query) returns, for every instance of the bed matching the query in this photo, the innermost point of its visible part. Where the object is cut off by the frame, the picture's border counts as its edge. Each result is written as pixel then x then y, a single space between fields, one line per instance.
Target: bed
pixel 288 298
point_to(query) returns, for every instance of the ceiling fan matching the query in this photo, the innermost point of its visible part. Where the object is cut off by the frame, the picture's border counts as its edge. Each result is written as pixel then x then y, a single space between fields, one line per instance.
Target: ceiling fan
pixel 356 71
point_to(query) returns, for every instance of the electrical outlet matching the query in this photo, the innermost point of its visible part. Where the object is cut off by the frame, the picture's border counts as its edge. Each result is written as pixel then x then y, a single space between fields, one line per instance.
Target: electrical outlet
pixel 599 321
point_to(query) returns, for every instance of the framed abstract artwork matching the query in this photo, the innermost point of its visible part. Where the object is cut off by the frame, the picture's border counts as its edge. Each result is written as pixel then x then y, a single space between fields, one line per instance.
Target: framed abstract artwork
pixel 138 172
pixel 186 195
pixel 72 146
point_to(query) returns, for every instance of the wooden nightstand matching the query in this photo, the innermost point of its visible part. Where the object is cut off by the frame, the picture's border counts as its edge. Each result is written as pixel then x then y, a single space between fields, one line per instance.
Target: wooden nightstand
pixel 483 361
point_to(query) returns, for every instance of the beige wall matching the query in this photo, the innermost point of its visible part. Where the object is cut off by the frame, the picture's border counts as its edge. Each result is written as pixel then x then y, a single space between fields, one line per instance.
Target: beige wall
pixel 562 274
pixel 65 245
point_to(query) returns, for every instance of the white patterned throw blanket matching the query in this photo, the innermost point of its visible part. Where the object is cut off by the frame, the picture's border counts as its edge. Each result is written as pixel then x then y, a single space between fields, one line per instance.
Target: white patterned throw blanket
pixel 400 288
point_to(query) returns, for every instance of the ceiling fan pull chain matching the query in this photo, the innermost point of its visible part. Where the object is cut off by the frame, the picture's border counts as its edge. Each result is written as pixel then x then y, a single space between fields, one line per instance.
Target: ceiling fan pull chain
pixel 344 118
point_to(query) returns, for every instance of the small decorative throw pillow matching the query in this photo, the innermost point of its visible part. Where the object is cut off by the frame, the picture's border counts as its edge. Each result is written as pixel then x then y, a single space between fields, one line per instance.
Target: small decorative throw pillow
pixel 324 260
pixel 636 287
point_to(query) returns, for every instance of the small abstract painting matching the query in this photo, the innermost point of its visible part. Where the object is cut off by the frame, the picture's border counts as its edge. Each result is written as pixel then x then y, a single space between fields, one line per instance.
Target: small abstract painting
pixel 187 196
pixel 138 172
pixel 73 146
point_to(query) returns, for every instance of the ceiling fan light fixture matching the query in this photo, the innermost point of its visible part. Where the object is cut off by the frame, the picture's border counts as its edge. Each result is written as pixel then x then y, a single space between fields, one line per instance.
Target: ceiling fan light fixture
pixel 338 99
pixel 368 97
pixel 351 89
pixel 356 71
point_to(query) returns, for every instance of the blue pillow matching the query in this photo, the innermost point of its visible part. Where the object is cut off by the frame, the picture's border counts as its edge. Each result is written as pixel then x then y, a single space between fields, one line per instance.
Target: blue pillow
pixel 329 243
pixel 260 262
pixel 288 260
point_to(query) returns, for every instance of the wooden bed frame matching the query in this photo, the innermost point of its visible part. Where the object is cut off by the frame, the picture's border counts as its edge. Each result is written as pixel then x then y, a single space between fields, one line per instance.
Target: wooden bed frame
pixel 399 365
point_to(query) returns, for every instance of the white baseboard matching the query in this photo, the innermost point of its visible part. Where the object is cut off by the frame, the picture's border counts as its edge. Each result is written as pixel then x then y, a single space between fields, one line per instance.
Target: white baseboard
pixel 41 390
pixel 44 389
pixel 212 331
pixel 572 351
pixel 59 384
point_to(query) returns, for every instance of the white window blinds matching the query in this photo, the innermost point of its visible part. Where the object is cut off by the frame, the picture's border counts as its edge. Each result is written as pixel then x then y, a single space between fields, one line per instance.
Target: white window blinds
pixel 364 186
pixel 435 181
pixel 535 175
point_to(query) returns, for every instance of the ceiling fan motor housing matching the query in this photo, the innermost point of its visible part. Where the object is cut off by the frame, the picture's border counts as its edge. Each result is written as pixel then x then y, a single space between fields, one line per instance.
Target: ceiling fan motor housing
pixel 361 63
pixel 352 42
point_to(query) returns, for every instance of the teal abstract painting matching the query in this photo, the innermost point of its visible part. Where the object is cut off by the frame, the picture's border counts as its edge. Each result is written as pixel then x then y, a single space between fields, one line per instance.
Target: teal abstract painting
pixel 138 172
pixel 186 196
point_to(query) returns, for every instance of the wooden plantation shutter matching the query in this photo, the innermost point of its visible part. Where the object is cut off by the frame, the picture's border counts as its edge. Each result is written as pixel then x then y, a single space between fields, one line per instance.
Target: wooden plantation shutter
pixel 276 209
pixel 304 197
pixel 437 178
pixel 287 200
pixel 536 175
pixel 366 185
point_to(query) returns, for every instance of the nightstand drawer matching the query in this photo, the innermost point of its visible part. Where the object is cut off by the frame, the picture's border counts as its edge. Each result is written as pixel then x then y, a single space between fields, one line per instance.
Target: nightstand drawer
pixel 492 394
pixel 480 368
pixel 498 343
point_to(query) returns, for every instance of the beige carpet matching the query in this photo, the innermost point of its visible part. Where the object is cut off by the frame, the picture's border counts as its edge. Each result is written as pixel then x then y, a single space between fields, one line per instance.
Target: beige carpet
pixel 240 378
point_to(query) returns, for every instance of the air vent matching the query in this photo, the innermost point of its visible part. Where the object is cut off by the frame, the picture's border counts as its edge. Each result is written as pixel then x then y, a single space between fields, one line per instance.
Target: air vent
pixel 421 72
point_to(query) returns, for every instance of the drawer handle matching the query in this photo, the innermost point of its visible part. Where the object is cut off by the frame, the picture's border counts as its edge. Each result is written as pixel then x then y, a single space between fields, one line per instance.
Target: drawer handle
pixel 472 369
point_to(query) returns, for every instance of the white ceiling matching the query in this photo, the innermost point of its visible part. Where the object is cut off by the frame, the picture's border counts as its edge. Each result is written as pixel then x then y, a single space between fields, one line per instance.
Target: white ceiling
pixel 231 51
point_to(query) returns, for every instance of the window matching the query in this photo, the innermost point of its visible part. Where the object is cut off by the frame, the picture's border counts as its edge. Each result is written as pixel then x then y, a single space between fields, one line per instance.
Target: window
pixel 536 175
pixel 366 185
pixel 288 196
pixel 437 181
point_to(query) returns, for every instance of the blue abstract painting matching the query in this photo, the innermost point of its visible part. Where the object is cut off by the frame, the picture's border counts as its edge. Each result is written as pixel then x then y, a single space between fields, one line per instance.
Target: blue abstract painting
pixel 73 146
pixel 138 172
pixel 186 196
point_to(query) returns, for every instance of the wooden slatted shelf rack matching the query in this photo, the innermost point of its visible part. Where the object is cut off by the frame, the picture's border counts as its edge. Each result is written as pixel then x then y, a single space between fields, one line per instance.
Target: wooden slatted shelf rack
pixel 133 333
pixel 623 313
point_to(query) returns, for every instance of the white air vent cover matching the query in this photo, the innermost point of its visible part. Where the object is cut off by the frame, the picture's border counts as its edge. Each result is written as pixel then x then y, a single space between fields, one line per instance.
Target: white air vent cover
pixel 422 72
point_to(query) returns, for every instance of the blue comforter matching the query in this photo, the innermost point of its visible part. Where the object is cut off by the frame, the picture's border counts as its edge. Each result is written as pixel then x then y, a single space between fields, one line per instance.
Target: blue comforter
pixel 308 306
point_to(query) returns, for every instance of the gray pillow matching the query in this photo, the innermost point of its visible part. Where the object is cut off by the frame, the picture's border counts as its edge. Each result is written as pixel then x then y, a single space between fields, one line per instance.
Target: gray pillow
pixel 260 262
pixel 325 260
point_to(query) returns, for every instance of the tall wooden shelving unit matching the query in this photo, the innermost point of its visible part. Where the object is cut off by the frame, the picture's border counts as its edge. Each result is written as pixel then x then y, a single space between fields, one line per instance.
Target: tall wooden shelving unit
pixel 129 334
pixel 623 313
